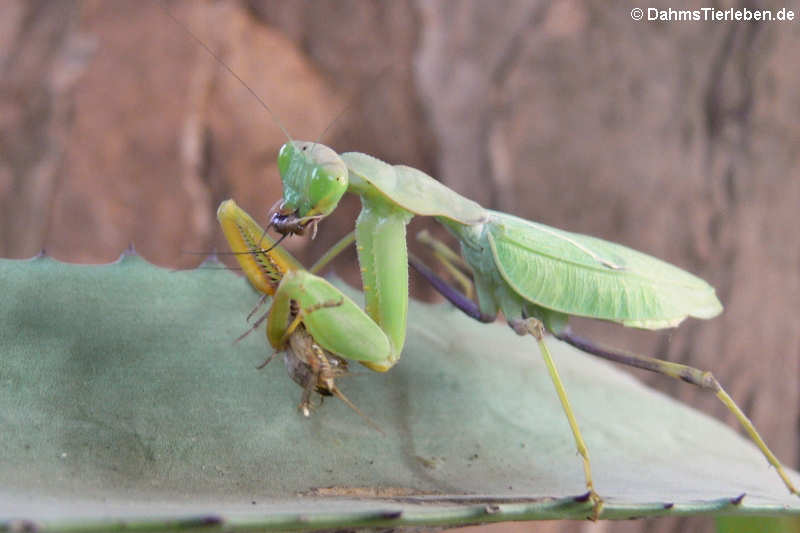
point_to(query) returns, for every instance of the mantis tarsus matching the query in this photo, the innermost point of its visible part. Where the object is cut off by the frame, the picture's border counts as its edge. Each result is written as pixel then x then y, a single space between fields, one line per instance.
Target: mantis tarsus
pixel 536 275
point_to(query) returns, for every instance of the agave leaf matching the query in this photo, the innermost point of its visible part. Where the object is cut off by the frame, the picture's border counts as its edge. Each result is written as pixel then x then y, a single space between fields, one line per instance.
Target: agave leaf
pixel 125 403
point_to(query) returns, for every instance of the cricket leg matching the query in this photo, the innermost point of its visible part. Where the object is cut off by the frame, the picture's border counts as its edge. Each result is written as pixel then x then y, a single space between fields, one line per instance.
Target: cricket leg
pixel 700 378
pixel 534 327
pixel 305 406
pixel 267 361
pixel 261 301
pixel 254 327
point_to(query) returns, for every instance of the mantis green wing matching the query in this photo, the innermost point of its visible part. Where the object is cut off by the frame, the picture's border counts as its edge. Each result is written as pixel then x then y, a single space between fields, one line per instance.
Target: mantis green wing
pixel 585 276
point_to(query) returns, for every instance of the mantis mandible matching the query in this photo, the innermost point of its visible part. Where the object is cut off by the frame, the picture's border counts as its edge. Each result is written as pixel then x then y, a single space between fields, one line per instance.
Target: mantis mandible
pixel 316 326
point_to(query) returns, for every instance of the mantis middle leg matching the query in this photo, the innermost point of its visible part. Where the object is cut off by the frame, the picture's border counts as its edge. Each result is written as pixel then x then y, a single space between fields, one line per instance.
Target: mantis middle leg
pixel 523 326
pixel 700 378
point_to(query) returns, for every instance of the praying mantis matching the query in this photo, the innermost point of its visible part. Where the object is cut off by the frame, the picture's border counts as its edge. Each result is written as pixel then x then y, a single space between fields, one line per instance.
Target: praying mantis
pixel 536 275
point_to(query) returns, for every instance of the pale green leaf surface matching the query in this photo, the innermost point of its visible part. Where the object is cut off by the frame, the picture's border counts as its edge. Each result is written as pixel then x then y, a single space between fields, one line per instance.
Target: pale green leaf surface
pixel 124 402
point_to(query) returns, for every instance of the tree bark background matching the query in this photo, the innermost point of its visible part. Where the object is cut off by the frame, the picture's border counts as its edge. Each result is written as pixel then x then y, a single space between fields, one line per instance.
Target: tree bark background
pixel 677 139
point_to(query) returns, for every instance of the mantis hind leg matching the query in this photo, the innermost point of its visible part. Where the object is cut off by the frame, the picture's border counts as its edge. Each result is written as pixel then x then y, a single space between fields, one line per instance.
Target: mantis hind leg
pixel 534 327
pixel 454 296
pixel 700 378
pixel 451 261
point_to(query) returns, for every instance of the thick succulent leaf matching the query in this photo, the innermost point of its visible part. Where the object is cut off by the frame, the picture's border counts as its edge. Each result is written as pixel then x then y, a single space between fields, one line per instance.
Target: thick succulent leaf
pixel 761 524
pixel 125 403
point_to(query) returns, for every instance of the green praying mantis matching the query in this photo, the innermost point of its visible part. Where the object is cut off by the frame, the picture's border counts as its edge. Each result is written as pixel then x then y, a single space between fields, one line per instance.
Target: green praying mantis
pixel 536 275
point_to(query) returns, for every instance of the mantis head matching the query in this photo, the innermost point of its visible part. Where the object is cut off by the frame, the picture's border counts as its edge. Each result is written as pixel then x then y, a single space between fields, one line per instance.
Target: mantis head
pixel 314 180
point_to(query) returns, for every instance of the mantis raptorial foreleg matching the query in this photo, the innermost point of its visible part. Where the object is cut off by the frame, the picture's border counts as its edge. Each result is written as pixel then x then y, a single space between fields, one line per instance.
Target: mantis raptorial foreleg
pixel 299 315
pixel 317 326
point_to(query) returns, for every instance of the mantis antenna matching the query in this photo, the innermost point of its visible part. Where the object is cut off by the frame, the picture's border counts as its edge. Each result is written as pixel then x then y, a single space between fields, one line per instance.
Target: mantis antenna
pixel 351 103
pixel 226 67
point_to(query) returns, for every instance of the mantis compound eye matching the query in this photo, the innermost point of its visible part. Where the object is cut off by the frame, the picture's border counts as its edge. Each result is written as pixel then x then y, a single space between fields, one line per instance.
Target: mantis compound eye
pixel 314 179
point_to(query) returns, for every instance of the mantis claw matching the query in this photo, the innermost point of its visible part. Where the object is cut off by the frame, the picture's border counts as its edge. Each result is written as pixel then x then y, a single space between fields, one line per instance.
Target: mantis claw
pixel 597 505
pixel 595 499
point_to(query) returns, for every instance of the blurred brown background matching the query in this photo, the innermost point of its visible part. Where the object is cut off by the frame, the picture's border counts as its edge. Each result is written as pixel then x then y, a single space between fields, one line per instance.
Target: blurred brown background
pixel 677 139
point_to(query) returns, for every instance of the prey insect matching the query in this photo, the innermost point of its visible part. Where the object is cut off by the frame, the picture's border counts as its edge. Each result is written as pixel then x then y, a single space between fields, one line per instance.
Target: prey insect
pixel 316 326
